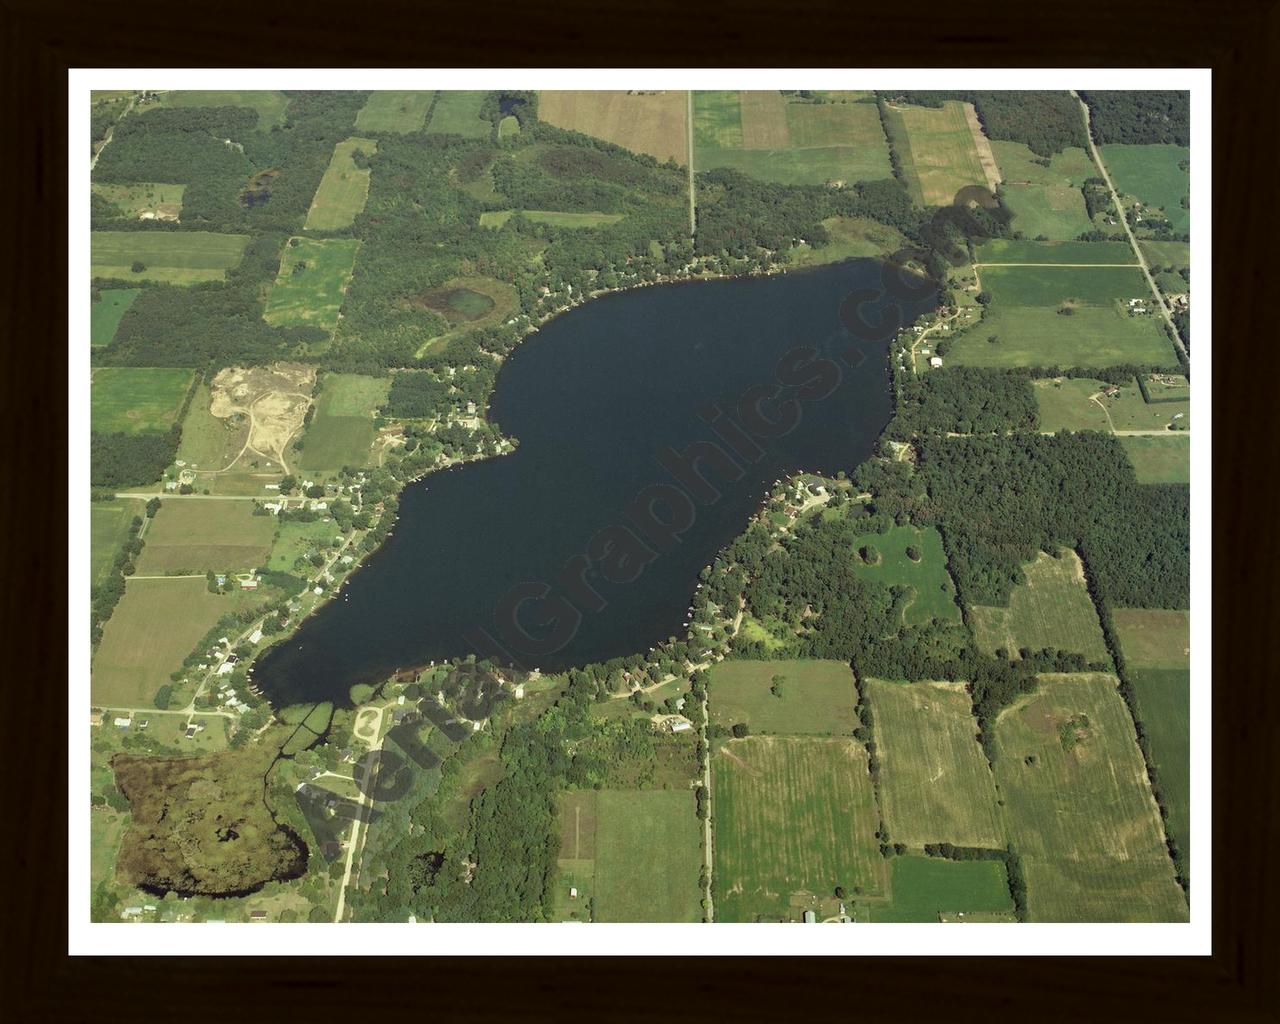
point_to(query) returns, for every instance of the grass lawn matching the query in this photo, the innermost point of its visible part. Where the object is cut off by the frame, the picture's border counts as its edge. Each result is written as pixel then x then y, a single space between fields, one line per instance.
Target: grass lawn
pixel 1160 460
pixel 1156 646
pixel 1008 250
pixel 556 218
pixel 312 282
pixel 508 127
pixel 154 627
pixel 850 237
pixel 939 156
pixel 457 112
pixel 935 594
pixel 162 201
pixel 1079 807
pixel 1151 174
pixel 648 853
pixel 133 400
pixel 929 889
pixel 817 696
pixel 198 536
pixel 653 123
pixel 108 530
pixel 341 432
pixel 794 818
pixel 105 313
pixel 294 541
pixel 935 785
pixel 391 110
pixel 1051 609
pixel 168 257
pixel 270 105
pixel 765 135
pixel 343 190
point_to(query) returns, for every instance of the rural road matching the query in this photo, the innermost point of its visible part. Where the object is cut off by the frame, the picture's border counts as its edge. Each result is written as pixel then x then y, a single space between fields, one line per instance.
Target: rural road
pixel 1124 223
pixel 167 495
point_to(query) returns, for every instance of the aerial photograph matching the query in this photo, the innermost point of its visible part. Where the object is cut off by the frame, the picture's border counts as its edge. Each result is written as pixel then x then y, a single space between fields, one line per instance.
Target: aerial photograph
pixel 636 506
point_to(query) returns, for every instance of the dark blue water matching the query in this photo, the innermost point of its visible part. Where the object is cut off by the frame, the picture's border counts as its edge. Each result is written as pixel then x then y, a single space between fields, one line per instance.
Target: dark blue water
pixel 506 558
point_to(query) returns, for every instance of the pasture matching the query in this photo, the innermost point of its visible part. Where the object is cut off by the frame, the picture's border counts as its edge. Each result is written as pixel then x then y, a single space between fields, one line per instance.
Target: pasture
pixel 648 853
pixel 108 530
pixel 555 218
pixel 343 190
pixel 655 123
pixel 1064 285
pixel 935 785
pixel 270 105
pixel 198 536
pixel 930 889
pixel 850 237
pixel 934 595
pixel 391 110
pixel 773 138
pixel 457 112
pixel 1157 648
pixel 936 151
pixel 794 818
pixel 167 257
pixel 1009 250
pixel 1167 254
pixel 1079 808
pixel 1152 174
pixel 1054 211
pixel 1020 166
pixel 134 400
pixel 312 282
pixel 148 200
pixel 106 311
pixel 341 432
pixel 1051 609
pixel 154 627
pixel 818 697
pixel 1160 460
pixel 1081 403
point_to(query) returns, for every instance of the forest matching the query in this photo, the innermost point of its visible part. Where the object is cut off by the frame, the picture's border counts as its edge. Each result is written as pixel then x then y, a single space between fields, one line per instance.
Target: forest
pixel 964 400
pixel 1140 117
pixel 1045 122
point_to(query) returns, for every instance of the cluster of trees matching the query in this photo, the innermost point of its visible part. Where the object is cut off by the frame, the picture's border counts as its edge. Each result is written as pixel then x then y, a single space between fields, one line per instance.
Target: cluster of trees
pixel 1046 122
pixel 1140 116
pixel 106 595
pixel 131 460
pixel 1012 863
pixel 964 400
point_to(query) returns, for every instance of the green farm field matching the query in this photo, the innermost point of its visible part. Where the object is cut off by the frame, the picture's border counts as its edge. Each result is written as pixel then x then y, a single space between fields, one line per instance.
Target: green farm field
pixel 168 257
pixel 134 400
pixel 1167 254
pixel 457 112
pixel 1019 166
pixel 818 697
pixel 1070 404
pixel 794 818
pixel 764 135
pixel 555 218
pixel 930 889
pixel 1157 649
pixel 1151 174
pixel 312 282
pixel 936 151
pixel 935 594
pixel 648 855
pixel 154 627
pixel 161 201
pixel 341 432
pixel 391 110
pixel 1054 211
pixel 1160 460
pixel 106 312
pixel 108 530
pixel 1094 335
pixel 270 105
pixel 1079 807
pixel 188 536
pixel 851 237
pixel 1051 609
pixel 343 190
pixel 1055 286
pixel 935 785
pixel 1009 250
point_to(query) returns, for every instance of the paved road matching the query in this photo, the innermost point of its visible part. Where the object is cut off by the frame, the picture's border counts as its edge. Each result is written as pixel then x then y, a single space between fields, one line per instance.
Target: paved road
pixel 1124 223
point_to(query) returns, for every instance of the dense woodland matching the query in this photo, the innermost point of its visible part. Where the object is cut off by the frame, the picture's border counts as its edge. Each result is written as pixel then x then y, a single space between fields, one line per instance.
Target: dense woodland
pixel 1138 118
pixel 964 400
pixel 1046 122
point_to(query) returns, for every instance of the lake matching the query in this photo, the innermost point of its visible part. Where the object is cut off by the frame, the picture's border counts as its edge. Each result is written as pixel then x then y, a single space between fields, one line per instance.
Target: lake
pixel 586 542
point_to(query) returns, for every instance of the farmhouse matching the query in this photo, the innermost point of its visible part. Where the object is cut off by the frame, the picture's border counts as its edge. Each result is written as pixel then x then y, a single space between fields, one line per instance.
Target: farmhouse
pixel 935 361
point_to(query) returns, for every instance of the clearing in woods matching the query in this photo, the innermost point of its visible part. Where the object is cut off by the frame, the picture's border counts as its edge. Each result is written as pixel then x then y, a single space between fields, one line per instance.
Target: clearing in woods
pixel 167 257
pixel 312 282
pixel 794 818
pixel 1045 200
pixel 394 111
pixel 931 889
pixel 774 137
pixel 850 237
pixel 643 122
pixel 341 432
pixel 1160 460
pixel 457 112
pixel 1156 645
pixel 270 105
pixel 342 192
pixel 818 697
pixel 935 151
pixel 556 218
pixel 1079 807
pixel 135 399
pixel 106 311
pixel 201 536
pixel 1051 609
pixel 1082 403
pixel 935 785
pixel 934 595
pixel 144 200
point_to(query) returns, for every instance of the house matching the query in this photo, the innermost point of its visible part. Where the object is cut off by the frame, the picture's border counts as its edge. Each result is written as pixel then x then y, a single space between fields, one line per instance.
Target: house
pixel 226 668
pixel 935 361
pixel 257 915
pixel 573 892
pixel 271 487
pixel 191 732
pixel 318 590
pixel 95 717
pixel 250 584
pixel 810 917
pixel 256 635
pixel 680 725
pixel 122 723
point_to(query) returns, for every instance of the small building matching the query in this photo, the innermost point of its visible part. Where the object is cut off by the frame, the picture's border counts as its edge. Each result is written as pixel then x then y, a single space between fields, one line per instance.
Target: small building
pixel 257 915
pixel 95 717
pixel 317 590
pixel 935 361
pixel 573 892
pixel 810 917
pixel 122 723
pixel 250 584
pixel 256 635
pixel 680 725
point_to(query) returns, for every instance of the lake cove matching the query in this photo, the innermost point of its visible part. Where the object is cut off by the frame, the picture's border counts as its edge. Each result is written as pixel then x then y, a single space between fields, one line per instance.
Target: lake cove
pixel 651 424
